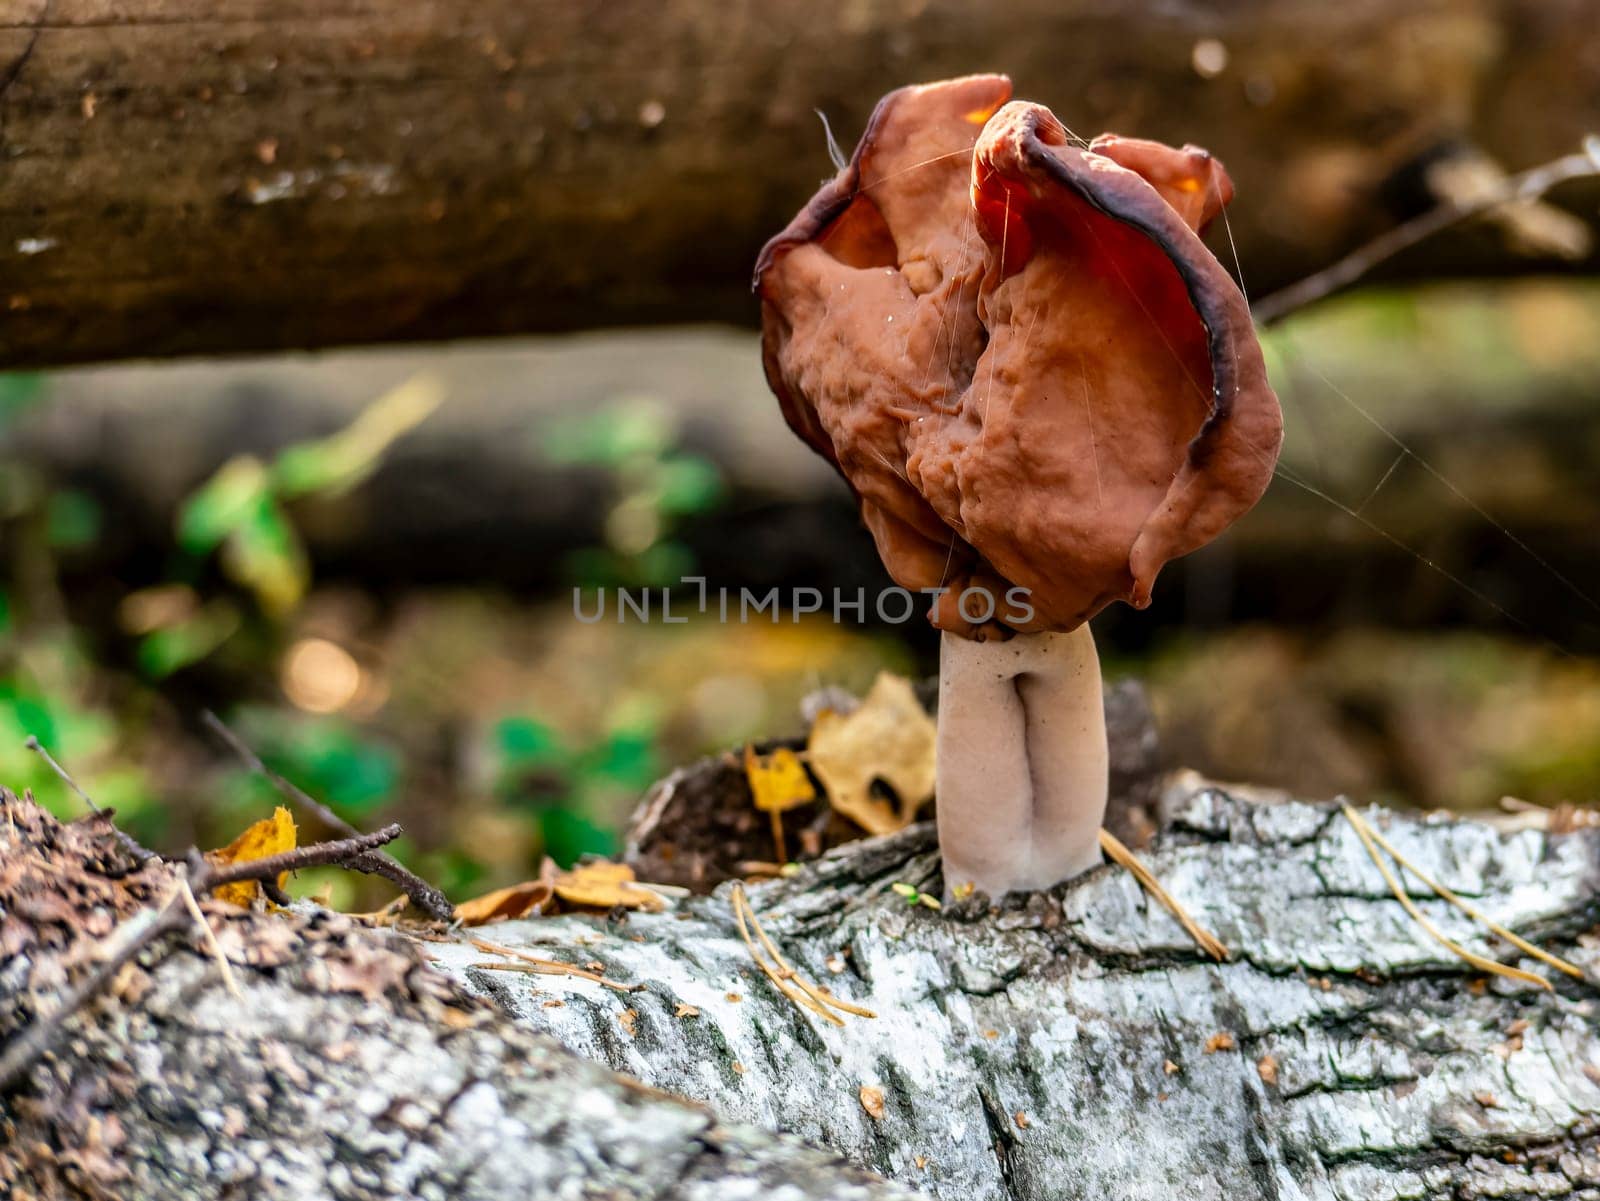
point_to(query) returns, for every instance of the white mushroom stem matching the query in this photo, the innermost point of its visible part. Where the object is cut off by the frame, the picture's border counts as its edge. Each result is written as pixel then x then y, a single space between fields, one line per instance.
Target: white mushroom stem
pixel 1022 761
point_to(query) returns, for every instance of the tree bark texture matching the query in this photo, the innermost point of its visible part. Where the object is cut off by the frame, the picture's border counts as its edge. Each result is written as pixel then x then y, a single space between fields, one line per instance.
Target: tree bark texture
pixel 348 1068
pixel 1074 1045
pixel 204 176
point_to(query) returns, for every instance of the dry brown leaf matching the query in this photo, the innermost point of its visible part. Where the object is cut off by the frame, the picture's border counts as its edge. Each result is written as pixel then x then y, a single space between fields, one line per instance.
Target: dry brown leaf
pixel 1487 1100
pixel 605 885
pixel 1170 1068
pixel 872 1102
pixel 1220 1041
pixel 889 737
pixel 921 1161
pixel 270 836
pixel 1267 1069
pixel 519 900
pixel 1021 1119
pixel 685 1010
pixel 628 1020
pixel 734 997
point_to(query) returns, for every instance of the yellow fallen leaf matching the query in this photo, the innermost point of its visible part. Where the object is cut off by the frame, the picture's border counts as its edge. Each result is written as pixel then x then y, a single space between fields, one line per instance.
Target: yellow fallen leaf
pixel 604 885
pixel 270 836
pixel 777 781
pixel 889 738
pixel 519 900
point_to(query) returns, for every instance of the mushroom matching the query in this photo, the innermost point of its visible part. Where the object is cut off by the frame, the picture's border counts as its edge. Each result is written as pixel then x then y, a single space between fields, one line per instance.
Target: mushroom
pixel 1041 386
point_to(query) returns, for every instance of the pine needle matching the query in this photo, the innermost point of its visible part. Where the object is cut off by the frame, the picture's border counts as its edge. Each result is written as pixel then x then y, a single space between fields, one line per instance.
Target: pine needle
pixel 1372 840
pixel 212 945
pixel 1204 939
pixel 782 974
pixel 536 965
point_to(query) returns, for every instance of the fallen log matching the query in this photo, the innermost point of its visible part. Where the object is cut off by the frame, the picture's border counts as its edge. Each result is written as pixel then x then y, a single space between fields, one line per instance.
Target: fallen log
pixel 345 1068
pixel 1073 1045
pixel 196 176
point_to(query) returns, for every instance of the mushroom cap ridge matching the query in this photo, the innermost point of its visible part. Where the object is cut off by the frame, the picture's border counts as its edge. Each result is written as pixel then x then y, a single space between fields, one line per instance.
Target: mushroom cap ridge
pixel 1020 354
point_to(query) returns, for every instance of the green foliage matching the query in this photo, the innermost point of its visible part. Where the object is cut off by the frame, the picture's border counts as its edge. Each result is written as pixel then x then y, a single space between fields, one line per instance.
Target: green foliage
pixel 333 465
pixel 187 640
pixel 571 790
pixel 569 836
pixel 48 691
pixel 354 774
pixel 18 392
pixel 72 520
pixel 241 509
pixel 656 487
pixel 637 429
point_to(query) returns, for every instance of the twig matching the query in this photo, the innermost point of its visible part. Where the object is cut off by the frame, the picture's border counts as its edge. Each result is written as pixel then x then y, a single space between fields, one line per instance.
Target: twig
pixel 129 843
pixel 123 944
pixel 424 895
pixel 144 928
pixel 544 967
pixel 347 852
pixel 1208 942
pixel 1528 185
pixel 1371 839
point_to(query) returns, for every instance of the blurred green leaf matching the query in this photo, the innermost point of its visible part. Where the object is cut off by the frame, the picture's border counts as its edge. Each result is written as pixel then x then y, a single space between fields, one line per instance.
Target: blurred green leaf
pixel 568 836
pixel 688 484
pixel 18 391
pixel 29 716
pixel 185 642
pixel 336 464
pixel 330 761
pixel 627 758
pixel 221 504
pixel 73 520
pixel 641 429
pixel 663 564
pixel 265 555
pixel 524 743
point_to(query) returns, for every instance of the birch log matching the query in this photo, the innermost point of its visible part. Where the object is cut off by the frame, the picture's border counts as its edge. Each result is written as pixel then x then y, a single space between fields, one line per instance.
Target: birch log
pixel 1072 1046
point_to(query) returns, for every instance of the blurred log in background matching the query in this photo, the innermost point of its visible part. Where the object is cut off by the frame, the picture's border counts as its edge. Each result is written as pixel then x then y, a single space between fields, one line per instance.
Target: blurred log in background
pixel 194 176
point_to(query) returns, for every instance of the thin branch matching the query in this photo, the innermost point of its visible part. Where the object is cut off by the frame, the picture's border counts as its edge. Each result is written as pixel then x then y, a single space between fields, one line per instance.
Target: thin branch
pixel 1528 185
pixel 144 928
pixel 123 943
pixel 343 851
pixel 424 895
pixel 129 843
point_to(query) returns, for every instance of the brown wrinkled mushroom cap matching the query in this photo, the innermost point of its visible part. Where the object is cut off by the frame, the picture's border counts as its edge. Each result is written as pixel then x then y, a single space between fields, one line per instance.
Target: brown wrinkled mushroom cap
pixel 1019 353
